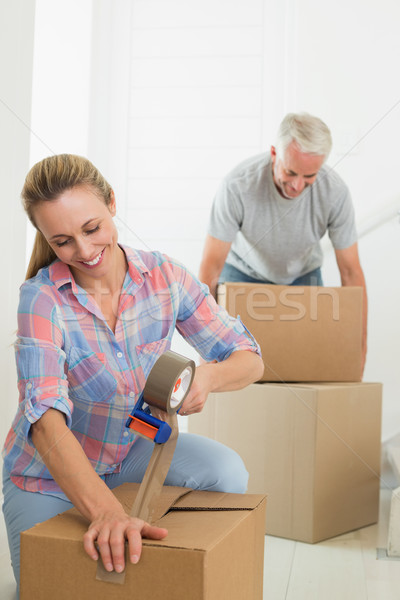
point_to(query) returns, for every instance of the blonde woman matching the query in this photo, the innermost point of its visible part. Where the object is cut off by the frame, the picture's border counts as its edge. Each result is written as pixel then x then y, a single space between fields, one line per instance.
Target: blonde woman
pixel 93 318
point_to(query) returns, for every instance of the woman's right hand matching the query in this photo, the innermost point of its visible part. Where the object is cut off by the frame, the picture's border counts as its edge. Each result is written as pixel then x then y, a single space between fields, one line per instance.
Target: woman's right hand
pixel 107 534
pixel 110 526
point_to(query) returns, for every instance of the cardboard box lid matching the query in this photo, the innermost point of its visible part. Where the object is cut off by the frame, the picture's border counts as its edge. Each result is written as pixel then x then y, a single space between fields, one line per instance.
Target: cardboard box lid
pixel 313 386
pixel 199 500
pixel 223 513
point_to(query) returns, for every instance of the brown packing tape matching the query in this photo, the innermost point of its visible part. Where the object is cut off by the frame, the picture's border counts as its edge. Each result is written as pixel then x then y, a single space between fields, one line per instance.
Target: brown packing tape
pixel 168 383
pixel 155 474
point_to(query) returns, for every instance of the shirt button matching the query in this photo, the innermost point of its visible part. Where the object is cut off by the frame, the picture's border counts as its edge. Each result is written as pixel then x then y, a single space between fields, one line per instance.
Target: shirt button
pixel 126 433
pixel 119 354
pixel 131 394
pixel 28 386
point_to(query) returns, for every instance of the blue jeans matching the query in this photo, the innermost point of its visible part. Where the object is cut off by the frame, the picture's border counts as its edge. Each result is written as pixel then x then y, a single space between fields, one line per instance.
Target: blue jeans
pixel 198 463
pixel 231 273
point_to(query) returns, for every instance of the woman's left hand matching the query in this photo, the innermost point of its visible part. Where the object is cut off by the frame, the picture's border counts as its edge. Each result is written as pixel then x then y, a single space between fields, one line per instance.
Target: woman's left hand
pixel 240 369
pixel 198 393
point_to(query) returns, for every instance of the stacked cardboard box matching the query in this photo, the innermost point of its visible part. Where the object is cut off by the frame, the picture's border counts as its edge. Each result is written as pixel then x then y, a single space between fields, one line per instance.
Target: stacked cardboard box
pixel 313 448
pixel 306 333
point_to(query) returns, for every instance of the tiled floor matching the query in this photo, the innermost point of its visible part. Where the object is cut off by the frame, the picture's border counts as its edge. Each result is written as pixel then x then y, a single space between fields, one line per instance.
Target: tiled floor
pixel 343 568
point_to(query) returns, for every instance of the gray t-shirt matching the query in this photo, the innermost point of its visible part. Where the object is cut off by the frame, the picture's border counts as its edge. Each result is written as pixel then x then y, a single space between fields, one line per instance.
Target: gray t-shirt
pixel 274 238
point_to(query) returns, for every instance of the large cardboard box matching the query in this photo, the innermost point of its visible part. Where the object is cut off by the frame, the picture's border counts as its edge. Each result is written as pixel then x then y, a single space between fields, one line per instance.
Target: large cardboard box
pixel 306 333
pixel 213 551
pixel 313 449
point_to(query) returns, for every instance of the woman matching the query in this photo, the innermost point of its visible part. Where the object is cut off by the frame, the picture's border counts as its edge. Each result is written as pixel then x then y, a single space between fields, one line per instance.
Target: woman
pixel 93 318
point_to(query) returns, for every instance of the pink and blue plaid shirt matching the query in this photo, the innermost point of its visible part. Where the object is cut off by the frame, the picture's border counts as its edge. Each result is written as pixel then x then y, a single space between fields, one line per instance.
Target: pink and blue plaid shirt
pixel 69 359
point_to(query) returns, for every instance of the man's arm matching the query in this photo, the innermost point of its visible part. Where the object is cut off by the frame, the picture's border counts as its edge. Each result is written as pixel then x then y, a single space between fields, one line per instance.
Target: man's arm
pixel 351 273
pixel 213 260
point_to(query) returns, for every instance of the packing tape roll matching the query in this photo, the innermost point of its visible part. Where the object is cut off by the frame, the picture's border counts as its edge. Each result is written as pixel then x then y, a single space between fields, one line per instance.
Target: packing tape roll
pixel 169 382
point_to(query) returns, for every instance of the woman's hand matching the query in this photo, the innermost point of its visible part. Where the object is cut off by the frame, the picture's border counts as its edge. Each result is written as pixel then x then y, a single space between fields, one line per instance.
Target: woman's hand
pixel 198 393
pixel 109 526
pixel 110 530
pixel 240 369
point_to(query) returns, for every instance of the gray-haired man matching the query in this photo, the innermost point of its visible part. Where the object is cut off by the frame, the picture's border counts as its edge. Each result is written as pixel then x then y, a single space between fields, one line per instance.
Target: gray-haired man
pixel 271 211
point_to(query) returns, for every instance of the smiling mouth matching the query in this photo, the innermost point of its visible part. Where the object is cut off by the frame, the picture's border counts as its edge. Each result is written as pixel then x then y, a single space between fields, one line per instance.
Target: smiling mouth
pixel 291 190
pixel 95 261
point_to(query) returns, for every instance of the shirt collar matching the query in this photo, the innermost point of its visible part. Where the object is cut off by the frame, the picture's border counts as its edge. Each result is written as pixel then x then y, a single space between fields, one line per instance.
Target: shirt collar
pixel 136 267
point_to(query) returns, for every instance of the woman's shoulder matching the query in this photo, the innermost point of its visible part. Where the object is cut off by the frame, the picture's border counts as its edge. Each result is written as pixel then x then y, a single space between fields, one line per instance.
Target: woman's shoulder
pixel 39 288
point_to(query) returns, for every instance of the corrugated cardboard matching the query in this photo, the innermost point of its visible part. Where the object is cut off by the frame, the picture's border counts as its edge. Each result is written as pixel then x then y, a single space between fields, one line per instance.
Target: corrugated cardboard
pixel 314 449
pixel 306 333
pixel 213 551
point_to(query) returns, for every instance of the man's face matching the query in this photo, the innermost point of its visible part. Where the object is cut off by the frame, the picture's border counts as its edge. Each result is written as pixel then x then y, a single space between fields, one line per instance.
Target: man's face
pixel 295 171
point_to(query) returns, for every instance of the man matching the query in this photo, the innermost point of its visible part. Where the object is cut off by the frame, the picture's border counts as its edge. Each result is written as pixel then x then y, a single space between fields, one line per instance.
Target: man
pixel 271 211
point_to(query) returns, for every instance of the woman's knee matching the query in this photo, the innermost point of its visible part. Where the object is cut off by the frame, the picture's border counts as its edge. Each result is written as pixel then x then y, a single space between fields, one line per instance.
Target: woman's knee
pixel 232 475
pixel 206 464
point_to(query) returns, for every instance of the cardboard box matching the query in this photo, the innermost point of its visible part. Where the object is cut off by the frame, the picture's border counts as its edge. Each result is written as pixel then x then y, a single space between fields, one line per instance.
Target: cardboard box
pixel 306 333
pixel 213 551
pixel 313 449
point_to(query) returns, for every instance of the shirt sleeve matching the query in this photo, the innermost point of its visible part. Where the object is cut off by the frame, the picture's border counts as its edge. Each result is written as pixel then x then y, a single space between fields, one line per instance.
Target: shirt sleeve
pixel 227 212
pixel 207 326
pixel 40 359
pixel 341 226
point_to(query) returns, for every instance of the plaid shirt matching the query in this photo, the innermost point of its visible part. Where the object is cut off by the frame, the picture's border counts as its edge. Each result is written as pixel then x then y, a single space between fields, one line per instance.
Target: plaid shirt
pixel 69 359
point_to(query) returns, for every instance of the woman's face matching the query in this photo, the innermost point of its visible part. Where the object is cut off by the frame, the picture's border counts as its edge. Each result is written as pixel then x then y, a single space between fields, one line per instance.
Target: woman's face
pixel 79 227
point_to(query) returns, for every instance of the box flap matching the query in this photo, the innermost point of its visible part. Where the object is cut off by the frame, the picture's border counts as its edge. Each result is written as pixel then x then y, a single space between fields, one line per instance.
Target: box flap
pixel 126 494
pixel 71 524
pixel 198 500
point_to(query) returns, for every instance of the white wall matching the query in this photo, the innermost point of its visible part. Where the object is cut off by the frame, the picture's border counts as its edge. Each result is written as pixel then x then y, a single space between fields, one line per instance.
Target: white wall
pixel 345 70
pixel 61 78
pixel 16 42
pixel 61 82
pixel 191 77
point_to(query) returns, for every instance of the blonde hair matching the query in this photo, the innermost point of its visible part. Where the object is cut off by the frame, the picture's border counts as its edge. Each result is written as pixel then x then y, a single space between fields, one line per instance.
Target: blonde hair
pixel 46 181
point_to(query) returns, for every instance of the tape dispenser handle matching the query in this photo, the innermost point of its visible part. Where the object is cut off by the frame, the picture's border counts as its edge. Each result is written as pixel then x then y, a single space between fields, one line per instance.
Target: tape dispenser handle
pixel 166 388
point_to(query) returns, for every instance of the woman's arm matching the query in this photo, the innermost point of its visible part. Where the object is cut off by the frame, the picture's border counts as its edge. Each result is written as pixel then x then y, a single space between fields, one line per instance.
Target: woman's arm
pixel 240 369
pixel 110 525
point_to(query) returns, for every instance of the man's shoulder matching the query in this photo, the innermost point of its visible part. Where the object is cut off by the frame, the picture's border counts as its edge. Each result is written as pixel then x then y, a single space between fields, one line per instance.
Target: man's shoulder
pixel 330 182
pixel 250 168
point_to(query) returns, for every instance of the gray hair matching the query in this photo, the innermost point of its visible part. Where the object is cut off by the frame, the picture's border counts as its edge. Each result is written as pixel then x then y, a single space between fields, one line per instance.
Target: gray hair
pixel 311 135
